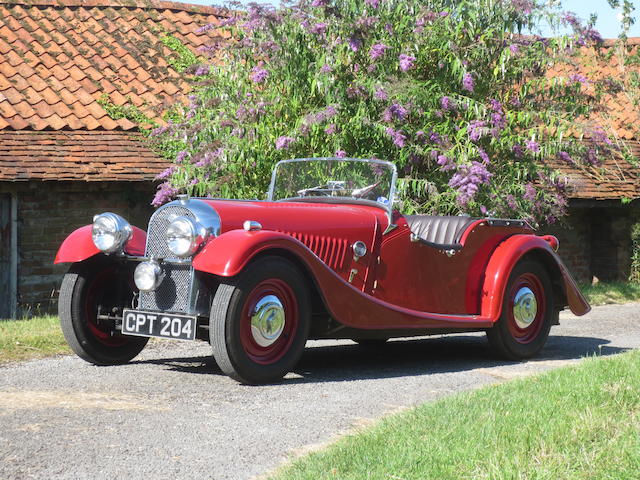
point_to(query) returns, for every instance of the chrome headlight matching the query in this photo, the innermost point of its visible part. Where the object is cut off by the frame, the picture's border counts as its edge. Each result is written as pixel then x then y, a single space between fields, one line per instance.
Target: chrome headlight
pixel 110 232
pixel 184 236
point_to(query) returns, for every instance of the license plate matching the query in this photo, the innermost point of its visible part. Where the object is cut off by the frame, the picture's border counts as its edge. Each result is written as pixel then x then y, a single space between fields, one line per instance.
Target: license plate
pixel 158 324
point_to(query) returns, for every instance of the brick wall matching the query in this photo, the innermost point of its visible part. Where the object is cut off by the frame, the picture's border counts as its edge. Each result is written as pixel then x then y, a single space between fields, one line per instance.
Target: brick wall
pixel 48 212
pixel 596 240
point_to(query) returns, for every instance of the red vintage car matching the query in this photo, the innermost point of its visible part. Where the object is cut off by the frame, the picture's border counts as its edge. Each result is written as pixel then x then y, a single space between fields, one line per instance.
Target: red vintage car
pixel 325 256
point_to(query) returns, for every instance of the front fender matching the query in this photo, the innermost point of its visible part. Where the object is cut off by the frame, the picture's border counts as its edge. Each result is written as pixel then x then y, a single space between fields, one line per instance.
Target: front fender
pixel 228 254
pixel 79 246
pixel 504 259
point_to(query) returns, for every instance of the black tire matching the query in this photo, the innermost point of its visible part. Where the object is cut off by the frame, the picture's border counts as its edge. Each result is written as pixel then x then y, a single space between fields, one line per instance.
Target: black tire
pixel 517 341
pixel 234 341
pixel 85 287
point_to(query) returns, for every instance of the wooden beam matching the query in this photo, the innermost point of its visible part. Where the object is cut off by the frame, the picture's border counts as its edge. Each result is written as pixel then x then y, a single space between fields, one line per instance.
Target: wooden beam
pixel 13 265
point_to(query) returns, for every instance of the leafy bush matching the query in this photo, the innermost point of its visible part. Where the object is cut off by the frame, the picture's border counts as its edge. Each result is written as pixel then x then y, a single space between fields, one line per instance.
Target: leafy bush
pixel 449 90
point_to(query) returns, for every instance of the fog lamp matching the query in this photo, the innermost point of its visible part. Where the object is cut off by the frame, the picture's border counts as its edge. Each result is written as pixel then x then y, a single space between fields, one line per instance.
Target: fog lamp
pixel 148 276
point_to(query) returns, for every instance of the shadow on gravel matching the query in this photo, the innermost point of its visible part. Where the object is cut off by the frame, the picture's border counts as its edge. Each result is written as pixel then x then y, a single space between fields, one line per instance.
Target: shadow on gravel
pixel 404 357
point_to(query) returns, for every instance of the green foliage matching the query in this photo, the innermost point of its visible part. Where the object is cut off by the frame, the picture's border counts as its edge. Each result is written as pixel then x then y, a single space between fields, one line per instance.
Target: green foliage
pixel 183 57
pixel 447 89
pixel 127 110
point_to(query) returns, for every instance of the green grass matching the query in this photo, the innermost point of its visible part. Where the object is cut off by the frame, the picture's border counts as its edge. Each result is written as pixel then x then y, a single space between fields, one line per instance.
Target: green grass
pixel 579 422
pixel 35 337
pixel 613 292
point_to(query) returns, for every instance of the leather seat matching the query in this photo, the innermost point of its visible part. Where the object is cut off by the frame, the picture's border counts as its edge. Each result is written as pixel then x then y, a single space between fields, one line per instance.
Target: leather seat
pixel 439 231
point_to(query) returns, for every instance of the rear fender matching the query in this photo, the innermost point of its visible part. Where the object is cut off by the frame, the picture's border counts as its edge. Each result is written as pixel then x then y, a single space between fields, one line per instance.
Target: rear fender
pixel 505 258
pixel 79 246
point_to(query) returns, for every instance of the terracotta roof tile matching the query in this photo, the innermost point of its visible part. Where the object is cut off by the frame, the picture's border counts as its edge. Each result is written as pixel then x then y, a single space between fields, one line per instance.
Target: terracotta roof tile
pixel 616 178
pixel 66 51
pixel 76 155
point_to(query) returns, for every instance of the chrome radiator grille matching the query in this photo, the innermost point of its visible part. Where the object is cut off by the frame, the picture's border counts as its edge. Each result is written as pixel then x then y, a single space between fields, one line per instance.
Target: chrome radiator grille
pixel 174 292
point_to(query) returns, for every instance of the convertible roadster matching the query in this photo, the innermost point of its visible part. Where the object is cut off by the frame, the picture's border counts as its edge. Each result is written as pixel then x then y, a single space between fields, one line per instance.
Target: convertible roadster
pixel 325 256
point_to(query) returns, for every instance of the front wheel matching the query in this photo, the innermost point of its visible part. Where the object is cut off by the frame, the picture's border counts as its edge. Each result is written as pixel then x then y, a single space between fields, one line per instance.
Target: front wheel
pixel 260 322
pixel 527 313
pixel 89 288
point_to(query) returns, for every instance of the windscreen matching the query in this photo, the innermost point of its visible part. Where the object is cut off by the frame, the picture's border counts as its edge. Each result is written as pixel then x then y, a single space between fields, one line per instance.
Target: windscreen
pixel 319 179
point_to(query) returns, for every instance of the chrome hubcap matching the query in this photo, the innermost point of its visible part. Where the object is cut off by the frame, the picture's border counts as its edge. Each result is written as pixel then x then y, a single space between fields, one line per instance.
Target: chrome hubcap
pixel 525 307
pixel 267 320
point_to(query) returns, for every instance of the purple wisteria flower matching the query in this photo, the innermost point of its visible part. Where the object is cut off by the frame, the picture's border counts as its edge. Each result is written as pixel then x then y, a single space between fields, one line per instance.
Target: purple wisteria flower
pixel 202 70
pixel 578 78
pixel 372 3
pixel 406 62
pixel 378 50
pixel 599 136
pixel 319 3
pixel 181 156
pixel 283 142
pixel 354 43
pixel 205 28
pixel 565 157
pixel 380 94
pixel 447 104
pixel 445 163
pixel 395 111
pixel 591 157
pixel 468 179
pixel 532 146
pixel 513 48
pixel 397 136
pixel 477 129
pixel 208 157
pixel 166 173
pixel 330 129
pixel 325 68
pixel 165 192
pixel 340 154
pixel 229 22
pixel 194 181
pixel 467 82
pixel 258 74
pixel 517 150
pixel 318 28
pixel 529 192
pixel 483 155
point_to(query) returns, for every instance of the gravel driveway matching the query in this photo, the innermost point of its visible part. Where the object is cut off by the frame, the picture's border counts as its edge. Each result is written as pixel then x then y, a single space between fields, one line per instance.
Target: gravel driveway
pixel 171 414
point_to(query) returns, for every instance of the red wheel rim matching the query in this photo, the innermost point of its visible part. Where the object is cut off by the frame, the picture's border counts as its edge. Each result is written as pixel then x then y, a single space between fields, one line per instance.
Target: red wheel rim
pixel 103 281
pixel 269 321
pixel 526 317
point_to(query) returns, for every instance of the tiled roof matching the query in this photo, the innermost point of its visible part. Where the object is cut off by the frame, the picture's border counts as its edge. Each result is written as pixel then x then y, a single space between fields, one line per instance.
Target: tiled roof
pixel 59 57
pixel 612 180
pixel 616 178
pixel 619 114
pixel 76 155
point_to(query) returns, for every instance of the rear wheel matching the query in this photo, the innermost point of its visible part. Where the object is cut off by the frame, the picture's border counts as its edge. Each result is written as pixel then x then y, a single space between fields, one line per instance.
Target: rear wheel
pixel 96 286
pixel 527 313
pixel 260 322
